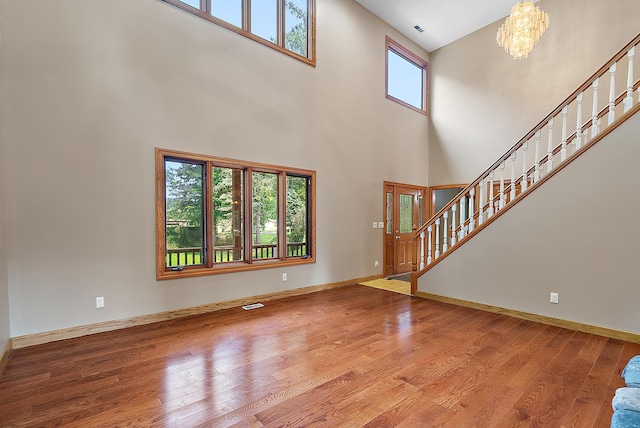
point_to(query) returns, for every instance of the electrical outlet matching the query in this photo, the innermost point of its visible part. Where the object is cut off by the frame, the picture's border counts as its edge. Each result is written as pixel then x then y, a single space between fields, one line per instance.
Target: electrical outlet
pixel 99 302
pixel 284 276
pixel 553 297
pixel 376 264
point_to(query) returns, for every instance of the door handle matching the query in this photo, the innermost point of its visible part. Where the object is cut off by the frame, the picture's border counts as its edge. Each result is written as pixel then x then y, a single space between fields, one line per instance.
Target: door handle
pixel 397 237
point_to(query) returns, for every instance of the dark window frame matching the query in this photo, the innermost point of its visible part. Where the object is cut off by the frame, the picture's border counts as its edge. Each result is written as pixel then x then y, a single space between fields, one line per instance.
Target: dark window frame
pixel 204 12
pixel 398 49
pixel 209 265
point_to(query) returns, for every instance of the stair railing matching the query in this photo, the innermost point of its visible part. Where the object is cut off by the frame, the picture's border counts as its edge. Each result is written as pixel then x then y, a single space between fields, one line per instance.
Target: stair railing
pixel 559 138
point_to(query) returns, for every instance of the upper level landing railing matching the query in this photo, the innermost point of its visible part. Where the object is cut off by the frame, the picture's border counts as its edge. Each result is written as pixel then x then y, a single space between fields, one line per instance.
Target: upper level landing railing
pixel 557 139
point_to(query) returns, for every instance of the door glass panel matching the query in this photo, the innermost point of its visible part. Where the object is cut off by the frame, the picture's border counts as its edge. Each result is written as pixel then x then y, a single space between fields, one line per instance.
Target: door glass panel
pixel 406 213
pixel 389 207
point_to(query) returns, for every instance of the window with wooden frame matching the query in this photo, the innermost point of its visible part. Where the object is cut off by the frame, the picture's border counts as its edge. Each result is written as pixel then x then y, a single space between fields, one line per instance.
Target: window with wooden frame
pixel 216 215
pixel 406 77
pixel 287 26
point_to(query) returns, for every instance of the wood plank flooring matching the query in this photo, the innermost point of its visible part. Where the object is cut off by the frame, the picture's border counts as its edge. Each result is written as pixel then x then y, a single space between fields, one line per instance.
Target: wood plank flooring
pixel 395 285
pixel 354 356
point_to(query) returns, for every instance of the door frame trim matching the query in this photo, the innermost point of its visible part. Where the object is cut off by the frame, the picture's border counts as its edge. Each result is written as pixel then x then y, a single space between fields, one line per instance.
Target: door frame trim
pixel 426 210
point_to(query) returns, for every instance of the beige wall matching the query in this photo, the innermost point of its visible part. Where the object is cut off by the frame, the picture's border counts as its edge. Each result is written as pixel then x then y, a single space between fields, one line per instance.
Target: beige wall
pixel 483 101
pixel 90 87
pixel 4 285
pixel 577 235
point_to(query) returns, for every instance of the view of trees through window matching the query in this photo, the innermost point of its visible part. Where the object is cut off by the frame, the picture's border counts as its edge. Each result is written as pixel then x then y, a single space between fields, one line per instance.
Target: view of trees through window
pixel 184 205
pixel 197 225
pixel 265 17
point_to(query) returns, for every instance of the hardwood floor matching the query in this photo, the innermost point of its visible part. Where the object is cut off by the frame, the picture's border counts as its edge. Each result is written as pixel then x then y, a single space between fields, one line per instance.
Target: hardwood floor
pixel 394 285
pixel 347 357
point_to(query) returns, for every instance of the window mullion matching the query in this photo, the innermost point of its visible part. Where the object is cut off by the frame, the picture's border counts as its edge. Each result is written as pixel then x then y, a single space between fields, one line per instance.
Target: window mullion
pixel 205 6
pixel 208 214
pixel 248 217
pixel 282 216
pixel 246 15
pixel 281 23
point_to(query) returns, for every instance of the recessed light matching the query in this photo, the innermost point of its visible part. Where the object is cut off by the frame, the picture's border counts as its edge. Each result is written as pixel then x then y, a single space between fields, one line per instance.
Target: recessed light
pixel 419 28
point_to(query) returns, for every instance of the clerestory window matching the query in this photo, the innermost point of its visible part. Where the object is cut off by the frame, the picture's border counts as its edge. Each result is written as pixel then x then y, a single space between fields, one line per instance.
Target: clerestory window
pixel 218 215
pixel 287 26
pixel 406 77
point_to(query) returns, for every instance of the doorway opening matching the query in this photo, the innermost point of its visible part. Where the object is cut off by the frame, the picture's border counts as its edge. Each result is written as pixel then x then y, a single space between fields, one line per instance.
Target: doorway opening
pixel 405 208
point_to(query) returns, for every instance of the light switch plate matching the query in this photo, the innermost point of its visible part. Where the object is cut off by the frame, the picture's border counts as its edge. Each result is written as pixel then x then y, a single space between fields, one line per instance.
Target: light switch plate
pixel 381 225
pixel 375 224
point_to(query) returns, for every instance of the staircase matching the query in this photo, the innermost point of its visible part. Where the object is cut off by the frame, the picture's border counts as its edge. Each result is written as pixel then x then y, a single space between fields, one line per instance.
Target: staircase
pixel 605 102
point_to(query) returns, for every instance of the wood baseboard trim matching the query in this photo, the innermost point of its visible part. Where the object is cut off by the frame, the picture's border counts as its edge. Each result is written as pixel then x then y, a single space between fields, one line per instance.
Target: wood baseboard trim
pixel 72 332
pixel 572 325
pixel 4 355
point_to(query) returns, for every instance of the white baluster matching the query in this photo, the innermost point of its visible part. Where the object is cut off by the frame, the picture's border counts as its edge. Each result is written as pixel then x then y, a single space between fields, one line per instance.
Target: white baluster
pixel 445 245
pixel 563 150
pixel 550 147
pixel 481 203
pixel 512 194
pixel 490 209
pixel 454 211
pixel 578 140
pixel 594 111
pixel 437 238
pixel 502 202
pixel 421 250
pixel 628 101
pixel 463 211
pixel 523 183
pixel 536 171
pixel 429 229
pixel 472 221
pixel 612 94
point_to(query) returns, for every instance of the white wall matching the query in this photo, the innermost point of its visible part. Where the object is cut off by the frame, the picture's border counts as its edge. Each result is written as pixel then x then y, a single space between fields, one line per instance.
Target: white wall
pixel 482 101
pixel 577 235
pixel 90 87
pixel 4 285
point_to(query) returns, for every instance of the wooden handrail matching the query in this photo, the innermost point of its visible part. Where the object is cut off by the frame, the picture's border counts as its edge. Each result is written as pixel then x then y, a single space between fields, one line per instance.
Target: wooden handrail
pixel 541 125
pixel 479 213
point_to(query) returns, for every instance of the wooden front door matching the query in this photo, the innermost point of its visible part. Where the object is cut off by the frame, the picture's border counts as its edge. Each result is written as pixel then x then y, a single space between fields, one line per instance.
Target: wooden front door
pixel 404 209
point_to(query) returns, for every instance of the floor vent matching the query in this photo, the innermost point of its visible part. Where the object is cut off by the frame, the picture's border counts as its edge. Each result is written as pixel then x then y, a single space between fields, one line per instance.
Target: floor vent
pixel 253 306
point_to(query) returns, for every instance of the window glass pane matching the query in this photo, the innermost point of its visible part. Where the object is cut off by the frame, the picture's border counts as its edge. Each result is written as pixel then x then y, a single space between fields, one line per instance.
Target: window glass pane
pixel 227 215
pixel 297 221
pixel 184 213
pixel 194 3
pixel 389 207
pixel 404 79
pixel 295 21
pixel 265 215
pixel 406 213
pixel 264 19
pixel 228 10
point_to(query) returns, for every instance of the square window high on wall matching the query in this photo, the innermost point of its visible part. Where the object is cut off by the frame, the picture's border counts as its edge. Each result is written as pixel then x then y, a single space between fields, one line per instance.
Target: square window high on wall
pixel 406 77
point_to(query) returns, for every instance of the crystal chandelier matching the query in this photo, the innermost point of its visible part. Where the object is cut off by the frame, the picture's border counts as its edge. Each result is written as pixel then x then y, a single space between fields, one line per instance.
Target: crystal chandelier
pixel 522 29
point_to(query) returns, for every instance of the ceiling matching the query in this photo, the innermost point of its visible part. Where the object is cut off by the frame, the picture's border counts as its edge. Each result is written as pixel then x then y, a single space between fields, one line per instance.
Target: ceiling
pixel 443 21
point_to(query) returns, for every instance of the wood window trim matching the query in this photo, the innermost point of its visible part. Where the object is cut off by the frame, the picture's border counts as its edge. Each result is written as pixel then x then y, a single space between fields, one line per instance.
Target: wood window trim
pixel 211 268
pixel 396 47
pixel 204 13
